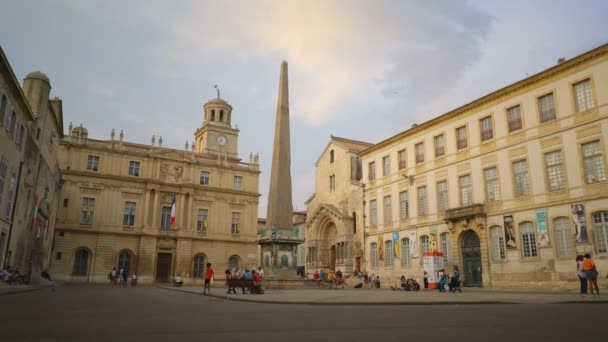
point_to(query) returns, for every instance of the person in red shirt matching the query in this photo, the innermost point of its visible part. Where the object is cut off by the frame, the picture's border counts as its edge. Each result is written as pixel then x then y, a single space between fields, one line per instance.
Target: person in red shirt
pixel 208 276
pixel 591 273
pixel 257 282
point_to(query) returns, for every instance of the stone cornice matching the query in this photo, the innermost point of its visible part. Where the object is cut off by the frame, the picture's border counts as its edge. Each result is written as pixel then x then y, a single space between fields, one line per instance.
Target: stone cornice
pixel 150 181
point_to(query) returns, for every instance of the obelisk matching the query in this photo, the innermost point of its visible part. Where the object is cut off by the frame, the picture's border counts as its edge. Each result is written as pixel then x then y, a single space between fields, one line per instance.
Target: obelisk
pixel 280 207
pixel 278 241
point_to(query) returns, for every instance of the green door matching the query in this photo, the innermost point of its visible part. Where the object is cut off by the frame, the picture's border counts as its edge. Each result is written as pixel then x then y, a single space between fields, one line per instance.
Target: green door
pixel 471 257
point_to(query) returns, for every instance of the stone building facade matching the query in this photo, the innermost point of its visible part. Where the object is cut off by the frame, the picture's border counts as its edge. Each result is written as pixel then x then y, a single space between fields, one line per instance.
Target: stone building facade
pixel 30 180
pixel 334 234
pixel 510 187
pixel 117 197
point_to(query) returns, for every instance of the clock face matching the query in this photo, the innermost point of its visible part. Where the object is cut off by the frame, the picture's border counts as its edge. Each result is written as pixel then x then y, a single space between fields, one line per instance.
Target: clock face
pixel 221 140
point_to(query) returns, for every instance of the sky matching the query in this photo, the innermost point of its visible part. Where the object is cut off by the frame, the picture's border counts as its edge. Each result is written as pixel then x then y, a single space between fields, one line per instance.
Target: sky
pixel 364 70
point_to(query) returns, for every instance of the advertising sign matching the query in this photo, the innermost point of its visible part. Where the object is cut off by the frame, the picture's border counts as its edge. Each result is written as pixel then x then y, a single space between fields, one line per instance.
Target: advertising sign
pixel 510 232
pixel 542 228
pixel 580 223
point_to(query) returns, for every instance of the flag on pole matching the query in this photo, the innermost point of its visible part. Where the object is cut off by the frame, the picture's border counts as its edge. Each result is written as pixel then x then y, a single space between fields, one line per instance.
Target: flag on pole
pixel 173 211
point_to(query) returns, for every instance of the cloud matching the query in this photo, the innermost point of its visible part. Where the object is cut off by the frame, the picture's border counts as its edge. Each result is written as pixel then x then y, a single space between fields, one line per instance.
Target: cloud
pixel 407 51
pixel 103 91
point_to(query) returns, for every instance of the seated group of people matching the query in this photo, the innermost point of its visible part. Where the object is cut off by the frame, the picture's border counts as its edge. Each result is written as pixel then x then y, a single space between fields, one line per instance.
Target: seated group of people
pixel 330 278
pixel 449 282
pixel 407 284
pixel 253 275
pixel 11 276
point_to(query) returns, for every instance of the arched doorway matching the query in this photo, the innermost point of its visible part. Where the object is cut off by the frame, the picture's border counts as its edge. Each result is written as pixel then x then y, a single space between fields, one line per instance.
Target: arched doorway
pixel 471 259
pixel 330 240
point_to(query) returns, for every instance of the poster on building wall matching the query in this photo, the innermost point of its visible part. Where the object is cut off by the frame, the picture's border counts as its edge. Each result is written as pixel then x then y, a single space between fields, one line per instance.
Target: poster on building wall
pixel 380 248
pixel 510 232
pixel 580 223
pixel 413 245
pixel 433 239
pixel 396 244
pixel 542 228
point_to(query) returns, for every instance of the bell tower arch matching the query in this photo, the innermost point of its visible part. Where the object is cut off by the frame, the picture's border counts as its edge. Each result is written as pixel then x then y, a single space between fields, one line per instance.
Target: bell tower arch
pixel 217 135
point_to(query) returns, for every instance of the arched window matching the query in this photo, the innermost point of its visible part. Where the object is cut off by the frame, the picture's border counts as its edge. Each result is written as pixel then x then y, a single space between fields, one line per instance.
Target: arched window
pixel 528 240
pixel 222 115
pixel 373 250
pixel 600 227
pixel 81 262
pixel 424 244
pixel 331 156
pixel 198 268
pixel 213 115
pixel 564 243
pixel 388 252
pixel 124 260
pixel 444 241
pixel 233 262
pixel 498 243
pixel 405 252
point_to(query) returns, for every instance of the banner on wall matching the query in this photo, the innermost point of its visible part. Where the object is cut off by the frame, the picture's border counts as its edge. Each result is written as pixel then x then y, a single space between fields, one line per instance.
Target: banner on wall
pixel 580 223
pixel 510 232
pixel 542 228
pixel 413 245
pixel 380 248
pixel 396 244
pixel 433 239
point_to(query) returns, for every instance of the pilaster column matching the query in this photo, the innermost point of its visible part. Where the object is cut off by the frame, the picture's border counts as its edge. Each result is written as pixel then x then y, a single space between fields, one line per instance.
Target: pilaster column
pixel 155 220
pixel 189 213
pixel 180 211
pixel 147 209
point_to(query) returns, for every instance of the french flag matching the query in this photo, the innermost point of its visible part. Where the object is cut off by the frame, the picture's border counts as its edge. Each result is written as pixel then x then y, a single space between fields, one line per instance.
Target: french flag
pixel 173 211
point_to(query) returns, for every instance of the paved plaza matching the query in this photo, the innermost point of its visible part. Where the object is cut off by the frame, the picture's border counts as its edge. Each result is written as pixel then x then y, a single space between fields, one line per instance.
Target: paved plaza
pixel 101 313
pixel 326 296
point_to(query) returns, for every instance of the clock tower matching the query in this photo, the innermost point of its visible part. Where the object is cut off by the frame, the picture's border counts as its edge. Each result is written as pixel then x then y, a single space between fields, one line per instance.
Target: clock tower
pixel 216 134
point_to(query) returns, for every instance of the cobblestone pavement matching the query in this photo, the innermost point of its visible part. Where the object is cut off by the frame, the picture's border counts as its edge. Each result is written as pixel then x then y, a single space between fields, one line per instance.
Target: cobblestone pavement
pixel 328 296
pixel 101 313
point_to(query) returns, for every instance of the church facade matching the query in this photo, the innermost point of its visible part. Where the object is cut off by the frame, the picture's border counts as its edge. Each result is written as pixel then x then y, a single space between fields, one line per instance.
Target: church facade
pixel 510 187
pixel 334 234
pixel 117 197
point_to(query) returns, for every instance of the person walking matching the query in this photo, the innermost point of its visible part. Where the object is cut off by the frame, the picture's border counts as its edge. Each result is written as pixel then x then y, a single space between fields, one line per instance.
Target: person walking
pixel 426 281
pixel 208 276
pixel 581 274
pixel 591 274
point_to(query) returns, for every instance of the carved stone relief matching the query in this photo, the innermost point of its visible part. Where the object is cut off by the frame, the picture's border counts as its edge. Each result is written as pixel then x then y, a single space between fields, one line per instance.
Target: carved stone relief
pixel 168 170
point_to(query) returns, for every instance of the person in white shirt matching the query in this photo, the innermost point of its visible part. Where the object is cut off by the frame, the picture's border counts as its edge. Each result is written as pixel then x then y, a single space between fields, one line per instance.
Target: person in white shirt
pixel 261 272
pixel 178 281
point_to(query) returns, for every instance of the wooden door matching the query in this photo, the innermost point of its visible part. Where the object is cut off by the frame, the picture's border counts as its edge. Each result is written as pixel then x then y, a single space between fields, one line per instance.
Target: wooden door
pixel 163 267
pixel 332 258
pixel 471 257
